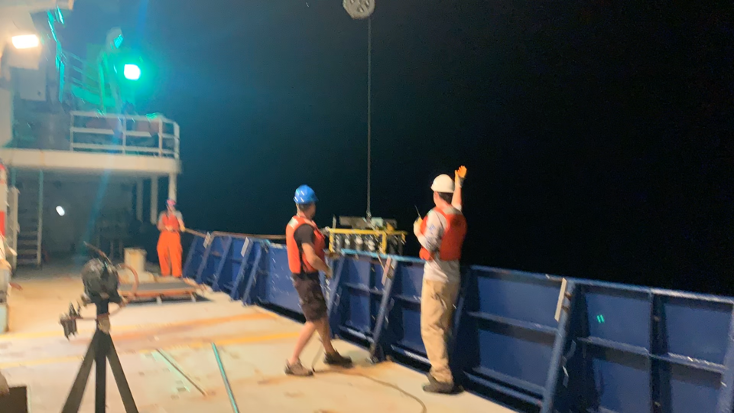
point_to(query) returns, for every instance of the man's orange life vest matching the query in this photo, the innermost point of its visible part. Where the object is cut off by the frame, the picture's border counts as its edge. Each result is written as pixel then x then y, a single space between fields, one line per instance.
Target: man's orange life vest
pixel 297 262
pixel 452 240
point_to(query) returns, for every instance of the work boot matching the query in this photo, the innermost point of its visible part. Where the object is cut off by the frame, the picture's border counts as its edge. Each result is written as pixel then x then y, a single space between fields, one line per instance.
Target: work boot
pixel 297 370
pixel 337 359
pixel 437 387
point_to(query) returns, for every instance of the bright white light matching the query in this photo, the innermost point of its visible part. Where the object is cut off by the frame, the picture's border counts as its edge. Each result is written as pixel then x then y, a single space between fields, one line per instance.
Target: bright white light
pixel 131 72
pixel 60 210
pixel 25 41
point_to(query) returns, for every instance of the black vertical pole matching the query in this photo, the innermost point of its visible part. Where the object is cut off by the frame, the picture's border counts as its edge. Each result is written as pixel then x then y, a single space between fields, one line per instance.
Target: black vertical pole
pixel 101 373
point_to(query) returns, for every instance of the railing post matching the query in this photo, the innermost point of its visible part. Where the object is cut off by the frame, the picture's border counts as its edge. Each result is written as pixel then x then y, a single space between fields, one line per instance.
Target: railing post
pixel 178 139
pixel 160 136
pixel 124 129
pixel 139 200
pixel 154 200
pixel 71 133
pixel 557 352
pixel 40 217
pixel 172 190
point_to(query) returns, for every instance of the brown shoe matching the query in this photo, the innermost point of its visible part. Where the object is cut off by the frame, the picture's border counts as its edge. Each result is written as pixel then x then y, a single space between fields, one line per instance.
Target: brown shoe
pixel 436 387
pixel 337 359
pixel 297 370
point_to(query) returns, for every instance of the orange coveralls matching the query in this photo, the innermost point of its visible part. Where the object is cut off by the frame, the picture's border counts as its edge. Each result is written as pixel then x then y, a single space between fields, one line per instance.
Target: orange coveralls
pixel 169 246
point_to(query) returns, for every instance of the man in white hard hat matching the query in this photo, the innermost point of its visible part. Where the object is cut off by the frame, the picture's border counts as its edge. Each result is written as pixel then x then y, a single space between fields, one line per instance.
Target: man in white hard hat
pixel 441 234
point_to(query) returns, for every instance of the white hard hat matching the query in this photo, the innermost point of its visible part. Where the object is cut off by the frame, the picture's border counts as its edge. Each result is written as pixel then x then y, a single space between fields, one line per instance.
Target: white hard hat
pixel 443 184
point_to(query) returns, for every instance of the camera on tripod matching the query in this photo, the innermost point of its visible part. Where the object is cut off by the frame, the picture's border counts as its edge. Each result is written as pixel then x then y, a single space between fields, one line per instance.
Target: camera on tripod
pixel 101 281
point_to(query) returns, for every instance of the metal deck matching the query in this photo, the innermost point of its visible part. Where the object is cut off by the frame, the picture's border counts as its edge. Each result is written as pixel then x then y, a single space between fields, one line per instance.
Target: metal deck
pixel 168 360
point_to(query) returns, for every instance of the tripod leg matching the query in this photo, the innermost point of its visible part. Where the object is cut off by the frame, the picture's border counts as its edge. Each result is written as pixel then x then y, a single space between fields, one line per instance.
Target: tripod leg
pixel 74 400
pixel 122 382
pixel 100 361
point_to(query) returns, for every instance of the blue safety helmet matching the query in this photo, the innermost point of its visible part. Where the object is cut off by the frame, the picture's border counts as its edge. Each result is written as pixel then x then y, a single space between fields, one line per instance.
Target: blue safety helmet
pixel 305 195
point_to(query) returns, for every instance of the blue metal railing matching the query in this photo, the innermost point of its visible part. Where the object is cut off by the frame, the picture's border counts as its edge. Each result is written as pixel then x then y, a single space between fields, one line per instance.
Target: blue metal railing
pixel 556 344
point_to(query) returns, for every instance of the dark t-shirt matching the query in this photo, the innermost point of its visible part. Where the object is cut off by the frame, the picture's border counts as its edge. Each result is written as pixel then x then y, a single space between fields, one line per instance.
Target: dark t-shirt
pixel 304 234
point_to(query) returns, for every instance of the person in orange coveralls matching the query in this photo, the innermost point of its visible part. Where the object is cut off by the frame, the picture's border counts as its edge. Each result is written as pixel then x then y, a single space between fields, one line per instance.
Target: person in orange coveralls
pixel 170 224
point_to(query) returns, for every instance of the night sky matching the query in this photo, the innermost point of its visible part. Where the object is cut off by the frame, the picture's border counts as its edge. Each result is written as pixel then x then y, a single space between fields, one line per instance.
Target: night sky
pixel 598 135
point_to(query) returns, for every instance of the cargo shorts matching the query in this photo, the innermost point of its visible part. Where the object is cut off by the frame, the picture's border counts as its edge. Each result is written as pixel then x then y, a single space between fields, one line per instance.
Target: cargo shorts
pixel 311 296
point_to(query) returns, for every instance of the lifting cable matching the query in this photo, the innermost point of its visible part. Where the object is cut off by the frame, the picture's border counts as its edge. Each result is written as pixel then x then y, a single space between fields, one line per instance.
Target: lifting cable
pixel 369 109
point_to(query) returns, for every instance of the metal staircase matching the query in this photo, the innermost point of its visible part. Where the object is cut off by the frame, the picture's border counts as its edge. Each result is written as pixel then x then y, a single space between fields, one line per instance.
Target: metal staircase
pixel 30 222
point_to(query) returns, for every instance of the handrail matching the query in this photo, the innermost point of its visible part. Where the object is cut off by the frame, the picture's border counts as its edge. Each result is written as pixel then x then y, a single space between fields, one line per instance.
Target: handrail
pixel 240 235
pixel 93 114
pixel 116 135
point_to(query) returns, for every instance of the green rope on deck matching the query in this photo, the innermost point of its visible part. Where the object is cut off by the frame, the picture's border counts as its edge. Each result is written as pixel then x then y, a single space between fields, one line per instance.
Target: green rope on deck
pixel 224 378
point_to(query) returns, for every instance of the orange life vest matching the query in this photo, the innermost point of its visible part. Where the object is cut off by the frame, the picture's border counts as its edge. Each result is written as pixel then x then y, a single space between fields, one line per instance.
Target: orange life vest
pixel 451 244
pixel 297 262
pixel 170 220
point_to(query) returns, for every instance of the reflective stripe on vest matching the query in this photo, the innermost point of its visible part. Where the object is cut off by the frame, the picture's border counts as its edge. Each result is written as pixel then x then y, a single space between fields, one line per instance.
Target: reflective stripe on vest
pixel 297 262
pixel 452 239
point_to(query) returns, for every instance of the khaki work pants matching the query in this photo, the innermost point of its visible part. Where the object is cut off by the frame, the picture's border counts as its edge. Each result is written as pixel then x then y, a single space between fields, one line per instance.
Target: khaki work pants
pixel 437 308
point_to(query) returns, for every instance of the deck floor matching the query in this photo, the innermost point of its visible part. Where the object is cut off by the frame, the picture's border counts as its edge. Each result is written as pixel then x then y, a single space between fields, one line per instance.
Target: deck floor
pixel 253 344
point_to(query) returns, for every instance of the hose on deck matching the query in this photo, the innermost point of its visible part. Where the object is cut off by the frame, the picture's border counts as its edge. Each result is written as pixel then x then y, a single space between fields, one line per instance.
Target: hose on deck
pixel 322 351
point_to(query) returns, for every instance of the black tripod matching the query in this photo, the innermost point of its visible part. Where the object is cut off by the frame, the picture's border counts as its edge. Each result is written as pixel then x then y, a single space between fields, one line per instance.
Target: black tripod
pixel 100 350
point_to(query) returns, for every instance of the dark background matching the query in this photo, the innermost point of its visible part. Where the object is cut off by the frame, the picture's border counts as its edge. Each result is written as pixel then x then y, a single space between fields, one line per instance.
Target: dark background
pixel 598 134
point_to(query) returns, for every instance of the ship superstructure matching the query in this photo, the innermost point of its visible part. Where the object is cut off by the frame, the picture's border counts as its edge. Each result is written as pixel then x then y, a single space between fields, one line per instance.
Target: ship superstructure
pixel 81 161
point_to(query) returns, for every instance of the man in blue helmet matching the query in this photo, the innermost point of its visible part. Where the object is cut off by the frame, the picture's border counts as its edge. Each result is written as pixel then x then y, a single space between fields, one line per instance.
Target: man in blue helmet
pixel 305 246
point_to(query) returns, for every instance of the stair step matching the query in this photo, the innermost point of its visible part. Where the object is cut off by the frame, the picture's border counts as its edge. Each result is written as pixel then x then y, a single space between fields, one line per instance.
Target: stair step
pixel 26 262
pixel 27 251
pixel 28 242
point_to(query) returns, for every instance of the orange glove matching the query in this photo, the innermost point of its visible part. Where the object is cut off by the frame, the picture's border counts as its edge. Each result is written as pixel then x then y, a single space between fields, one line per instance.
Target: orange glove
pixel 459 175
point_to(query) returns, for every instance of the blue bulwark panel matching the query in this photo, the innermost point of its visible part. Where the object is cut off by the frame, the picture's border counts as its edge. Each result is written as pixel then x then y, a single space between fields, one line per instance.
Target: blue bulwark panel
pixel 356 297
pixel 194 257
pixel 252 276
pixel 216 251
pixel 726 397
pixel 248 255
pixel 277 287
pixel 508 340
pixel 402 334
pixel 230 264
pixel 646 350
pixel 691 351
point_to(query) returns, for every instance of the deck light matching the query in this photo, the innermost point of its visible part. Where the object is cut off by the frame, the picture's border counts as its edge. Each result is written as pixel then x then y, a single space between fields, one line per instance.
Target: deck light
pixel 25 41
